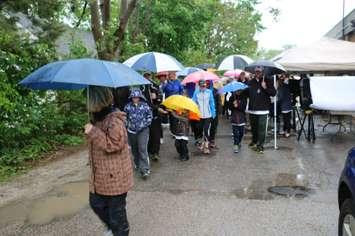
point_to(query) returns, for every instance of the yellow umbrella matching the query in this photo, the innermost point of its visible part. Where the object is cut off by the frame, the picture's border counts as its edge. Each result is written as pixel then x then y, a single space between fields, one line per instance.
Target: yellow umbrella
pixel 179 102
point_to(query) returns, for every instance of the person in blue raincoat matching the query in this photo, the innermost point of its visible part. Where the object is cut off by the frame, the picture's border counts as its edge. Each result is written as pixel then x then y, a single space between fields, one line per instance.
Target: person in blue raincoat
pixel 139 118
pixel 205 101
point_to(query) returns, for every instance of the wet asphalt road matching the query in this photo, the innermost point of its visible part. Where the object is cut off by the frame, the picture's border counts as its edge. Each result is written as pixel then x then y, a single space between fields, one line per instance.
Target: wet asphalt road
pixel 220 194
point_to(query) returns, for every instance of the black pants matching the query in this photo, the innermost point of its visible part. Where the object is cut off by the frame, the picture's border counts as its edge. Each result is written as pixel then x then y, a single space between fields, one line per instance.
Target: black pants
pixel 258 128
pixel 238 133
pixel 213 130
pixel 205 125
pixel 173 122
pixel 181 148
pixel 196 129
pixel 287 121
pixel 112 212
pixel 154 137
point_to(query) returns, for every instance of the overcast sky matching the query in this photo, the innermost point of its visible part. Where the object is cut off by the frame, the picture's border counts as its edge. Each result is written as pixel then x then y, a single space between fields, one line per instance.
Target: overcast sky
pixel 300 21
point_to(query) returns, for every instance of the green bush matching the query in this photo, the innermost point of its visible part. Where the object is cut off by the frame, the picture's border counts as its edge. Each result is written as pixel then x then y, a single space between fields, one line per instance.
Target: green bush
pixel 33 123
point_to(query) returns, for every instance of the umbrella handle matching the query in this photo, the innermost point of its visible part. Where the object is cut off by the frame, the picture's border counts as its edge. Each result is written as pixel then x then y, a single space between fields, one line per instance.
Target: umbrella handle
pixel 87 102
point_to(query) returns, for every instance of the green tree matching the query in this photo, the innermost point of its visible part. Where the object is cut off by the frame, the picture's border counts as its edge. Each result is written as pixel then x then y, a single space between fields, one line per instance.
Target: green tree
pixel 173 26
pixel 233 30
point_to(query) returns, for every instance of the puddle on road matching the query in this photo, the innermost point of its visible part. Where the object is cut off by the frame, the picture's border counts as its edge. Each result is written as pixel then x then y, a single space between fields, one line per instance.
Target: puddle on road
pixel 256 191
pixel 287 185
pixel 62 202
pixel 291 185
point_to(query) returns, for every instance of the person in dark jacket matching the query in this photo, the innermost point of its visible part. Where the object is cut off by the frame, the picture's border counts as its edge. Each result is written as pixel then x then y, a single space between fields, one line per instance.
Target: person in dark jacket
pixel 237 104
pixel 260 90
pixel 285 103
pixel 154 100
pixel 139 118
pixel 180 131
pixel 214 122
pixel 172 87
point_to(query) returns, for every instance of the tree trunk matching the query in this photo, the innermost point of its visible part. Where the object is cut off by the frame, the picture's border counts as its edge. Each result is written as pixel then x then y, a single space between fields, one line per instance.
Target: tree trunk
pixel 106 49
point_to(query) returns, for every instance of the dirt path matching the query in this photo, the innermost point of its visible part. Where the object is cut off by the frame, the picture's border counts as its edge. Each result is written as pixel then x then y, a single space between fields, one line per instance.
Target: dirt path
pixel 43 179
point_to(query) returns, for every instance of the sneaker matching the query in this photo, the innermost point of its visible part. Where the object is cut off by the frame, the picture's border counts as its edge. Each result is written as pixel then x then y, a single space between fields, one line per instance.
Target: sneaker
pixel 108 233
pixel 145 175
pixel 206 151
pixel 287 135
pixel 281 132
pixel 252 145
pixel 260 150
pixel 161 141
pixel 236 148
pixel 155 157
pixel 213 146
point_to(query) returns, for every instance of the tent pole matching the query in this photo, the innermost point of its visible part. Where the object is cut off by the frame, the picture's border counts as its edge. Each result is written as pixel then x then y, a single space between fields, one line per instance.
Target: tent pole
pixel 275 113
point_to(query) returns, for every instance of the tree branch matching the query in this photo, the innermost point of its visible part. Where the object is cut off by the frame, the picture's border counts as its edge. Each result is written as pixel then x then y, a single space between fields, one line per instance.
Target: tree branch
pixel 124 16
pixel 82 14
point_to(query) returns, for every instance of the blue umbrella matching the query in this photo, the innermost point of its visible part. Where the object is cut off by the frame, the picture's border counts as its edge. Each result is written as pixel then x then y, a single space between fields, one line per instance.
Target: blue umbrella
pixel 232 87
pixel 79 73
pixel 153 62
pixel 186 71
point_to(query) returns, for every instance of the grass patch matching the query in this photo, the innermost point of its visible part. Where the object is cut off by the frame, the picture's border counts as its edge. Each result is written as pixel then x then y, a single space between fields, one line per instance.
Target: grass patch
pixel 14 162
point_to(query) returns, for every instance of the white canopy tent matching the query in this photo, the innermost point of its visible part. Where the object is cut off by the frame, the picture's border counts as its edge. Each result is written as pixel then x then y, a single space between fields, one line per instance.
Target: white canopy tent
pixel 325 55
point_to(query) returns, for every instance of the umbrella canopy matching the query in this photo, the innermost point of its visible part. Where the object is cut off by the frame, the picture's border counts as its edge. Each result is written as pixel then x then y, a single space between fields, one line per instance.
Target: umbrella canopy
pixel 270 67
pixel 179 102
pixel 235 62
pixel 154 62
pixel 187 70
pixel 205 66
pixel 79 73
pixel 200 75
pixel 233 73
pixel 232 87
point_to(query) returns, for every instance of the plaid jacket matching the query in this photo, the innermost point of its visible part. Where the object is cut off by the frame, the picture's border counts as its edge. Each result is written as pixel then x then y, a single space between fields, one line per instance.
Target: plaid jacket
pixel 110 161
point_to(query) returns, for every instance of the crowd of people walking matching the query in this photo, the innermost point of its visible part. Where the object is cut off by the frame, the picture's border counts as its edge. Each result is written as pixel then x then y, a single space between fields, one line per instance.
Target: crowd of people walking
pixel 127 122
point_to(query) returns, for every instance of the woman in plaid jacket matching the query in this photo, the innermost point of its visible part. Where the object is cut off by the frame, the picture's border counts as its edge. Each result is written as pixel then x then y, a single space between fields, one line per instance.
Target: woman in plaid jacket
pixel 110 162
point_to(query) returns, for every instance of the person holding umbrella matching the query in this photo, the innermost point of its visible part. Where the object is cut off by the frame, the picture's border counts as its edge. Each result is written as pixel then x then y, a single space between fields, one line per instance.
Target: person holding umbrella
pixel 260 90
pixel 203 97
pixel 110 162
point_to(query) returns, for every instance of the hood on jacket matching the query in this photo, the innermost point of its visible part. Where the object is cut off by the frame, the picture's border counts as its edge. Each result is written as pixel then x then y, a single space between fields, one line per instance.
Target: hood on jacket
pixel 137 93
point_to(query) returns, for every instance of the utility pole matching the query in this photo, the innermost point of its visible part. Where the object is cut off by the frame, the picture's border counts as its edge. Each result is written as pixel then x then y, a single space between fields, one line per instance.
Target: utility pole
pixel 343 20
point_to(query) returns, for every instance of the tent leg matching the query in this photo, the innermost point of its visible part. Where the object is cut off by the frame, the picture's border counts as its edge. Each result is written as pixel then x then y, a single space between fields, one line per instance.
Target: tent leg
pixel 275 119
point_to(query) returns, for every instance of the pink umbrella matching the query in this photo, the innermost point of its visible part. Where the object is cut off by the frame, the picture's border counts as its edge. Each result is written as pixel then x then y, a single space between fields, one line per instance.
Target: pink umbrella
pixel 233 73
pixel 199 75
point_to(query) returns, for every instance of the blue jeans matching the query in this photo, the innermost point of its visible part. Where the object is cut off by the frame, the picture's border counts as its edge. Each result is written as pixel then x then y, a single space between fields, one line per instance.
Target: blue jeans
pixel 112 212
pixel 238 133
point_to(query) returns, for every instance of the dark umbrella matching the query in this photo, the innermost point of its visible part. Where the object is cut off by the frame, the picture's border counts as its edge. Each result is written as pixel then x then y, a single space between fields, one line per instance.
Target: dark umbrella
pixel 205 66
pixel 270 67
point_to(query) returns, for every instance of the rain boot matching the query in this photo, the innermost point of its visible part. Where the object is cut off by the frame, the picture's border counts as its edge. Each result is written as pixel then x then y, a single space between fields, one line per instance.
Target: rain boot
pixel 206 149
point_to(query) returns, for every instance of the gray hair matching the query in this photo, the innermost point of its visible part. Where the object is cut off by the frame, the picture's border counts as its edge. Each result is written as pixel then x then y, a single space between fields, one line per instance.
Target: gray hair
pixel 99 97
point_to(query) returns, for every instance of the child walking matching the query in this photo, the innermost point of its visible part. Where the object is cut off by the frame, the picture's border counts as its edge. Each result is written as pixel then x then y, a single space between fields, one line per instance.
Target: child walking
pixel 139 118
pixel 181 132
pixel 237 104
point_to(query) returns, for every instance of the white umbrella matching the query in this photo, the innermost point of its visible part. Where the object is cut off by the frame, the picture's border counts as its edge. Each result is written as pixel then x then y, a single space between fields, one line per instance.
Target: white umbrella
pixel 234 62
pixel 154 62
